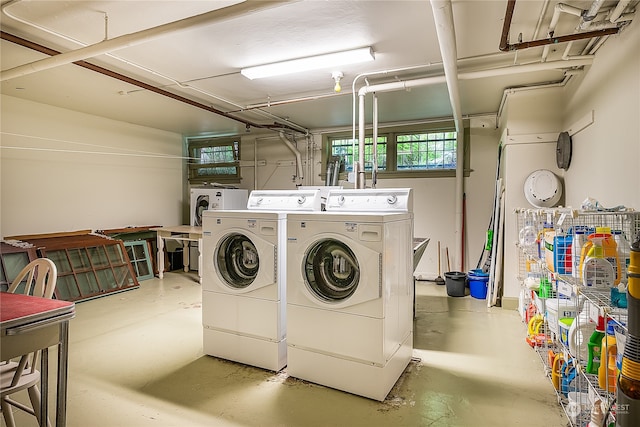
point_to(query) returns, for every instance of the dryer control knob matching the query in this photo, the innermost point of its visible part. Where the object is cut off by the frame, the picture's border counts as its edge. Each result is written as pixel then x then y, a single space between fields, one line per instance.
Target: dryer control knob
pixel 392 199
pixel 259 201
pixel 302 199
pixel 341 200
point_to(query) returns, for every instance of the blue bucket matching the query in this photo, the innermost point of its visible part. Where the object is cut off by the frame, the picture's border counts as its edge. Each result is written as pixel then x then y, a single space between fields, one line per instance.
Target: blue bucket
pixel 478 281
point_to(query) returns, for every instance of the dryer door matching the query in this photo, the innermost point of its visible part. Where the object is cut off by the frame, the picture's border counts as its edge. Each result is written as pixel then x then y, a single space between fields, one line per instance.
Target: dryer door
pixel 201 205
pixel 245 264
pixel 341 274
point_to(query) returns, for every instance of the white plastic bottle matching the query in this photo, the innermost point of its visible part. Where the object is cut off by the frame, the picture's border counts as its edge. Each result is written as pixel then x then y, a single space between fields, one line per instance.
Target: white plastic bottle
pixel 579 333
pixel 579 239
pixel 624 252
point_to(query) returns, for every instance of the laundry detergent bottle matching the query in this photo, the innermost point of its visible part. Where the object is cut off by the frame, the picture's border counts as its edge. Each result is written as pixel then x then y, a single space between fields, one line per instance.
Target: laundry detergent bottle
pixel 601 265
pixel 607 372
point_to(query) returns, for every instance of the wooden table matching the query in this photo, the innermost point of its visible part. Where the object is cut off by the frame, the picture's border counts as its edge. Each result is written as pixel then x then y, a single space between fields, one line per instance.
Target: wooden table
pixel 180 233
pixel 29 324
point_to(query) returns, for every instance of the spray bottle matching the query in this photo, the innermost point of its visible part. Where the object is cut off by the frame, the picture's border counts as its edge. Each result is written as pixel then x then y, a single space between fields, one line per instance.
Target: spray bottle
pixel 628 395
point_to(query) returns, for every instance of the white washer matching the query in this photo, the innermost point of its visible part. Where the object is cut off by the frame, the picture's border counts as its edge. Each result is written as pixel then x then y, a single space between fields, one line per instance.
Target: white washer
pixel 206 198
pixel 350 291
pixel 244 277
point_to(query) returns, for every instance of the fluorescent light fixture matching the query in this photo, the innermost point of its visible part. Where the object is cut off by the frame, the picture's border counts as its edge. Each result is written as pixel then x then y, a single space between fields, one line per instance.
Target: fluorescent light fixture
pixel 329 60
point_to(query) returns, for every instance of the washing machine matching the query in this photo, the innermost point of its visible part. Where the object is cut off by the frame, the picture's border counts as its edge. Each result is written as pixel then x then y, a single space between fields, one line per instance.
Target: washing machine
pixel 350 291
pixel 206 198
pixel 244 278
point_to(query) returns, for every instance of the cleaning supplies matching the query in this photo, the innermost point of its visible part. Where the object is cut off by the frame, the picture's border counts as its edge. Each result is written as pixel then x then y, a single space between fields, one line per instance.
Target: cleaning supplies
pixel 600 265
pixel 580 233
pixel 579 333
pixel 594 347
pixel 607 376
pixel 597 416
pixel 624 252
pixel 600 257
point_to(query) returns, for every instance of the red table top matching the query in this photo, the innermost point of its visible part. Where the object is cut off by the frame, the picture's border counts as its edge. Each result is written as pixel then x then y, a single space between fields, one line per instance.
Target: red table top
pixel 14 307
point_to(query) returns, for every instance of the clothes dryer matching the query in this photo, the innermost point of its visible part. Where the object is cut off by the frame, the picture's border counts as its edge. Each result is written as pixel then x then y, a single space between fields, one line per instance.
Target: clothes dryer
pixel 350 291
pixel 244 277
pixel 206 198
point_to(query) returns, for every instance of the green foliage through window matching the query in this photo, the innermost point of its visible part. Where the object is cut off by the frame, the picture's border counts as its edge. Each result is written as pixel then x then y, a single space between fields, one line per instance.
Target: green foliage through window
pixel 435 150
pixel 344 149
pixel 214 159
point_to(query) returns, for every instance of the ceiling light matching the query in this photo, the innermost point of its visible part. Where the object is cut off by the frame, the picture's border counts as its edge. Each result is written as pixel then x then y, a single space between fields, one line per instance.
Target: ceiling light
pixel 337 76
pixel 329 60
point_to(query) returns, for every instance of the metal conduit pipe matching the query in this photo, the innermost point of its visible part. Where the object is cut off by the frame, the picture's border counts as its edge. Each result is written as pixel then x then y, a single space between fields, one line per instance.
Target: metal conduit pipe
pixel 504 39
pixel 296 152
pixel 443 16
pixel 140 37
pixel 146 86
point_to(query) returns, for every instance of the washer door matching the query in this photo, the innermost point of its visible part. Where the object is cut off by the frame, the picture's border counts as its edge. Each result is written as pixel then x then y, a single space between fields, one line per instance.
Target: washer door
pixel 244 264
pixel 202 204
pixel 335 275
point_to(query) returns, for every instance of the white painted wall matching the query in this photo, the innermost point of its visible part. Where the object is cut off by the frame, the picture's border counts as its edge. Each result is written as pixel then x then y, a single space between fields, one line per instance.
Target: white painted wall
pixel 606 155
pixel 53 180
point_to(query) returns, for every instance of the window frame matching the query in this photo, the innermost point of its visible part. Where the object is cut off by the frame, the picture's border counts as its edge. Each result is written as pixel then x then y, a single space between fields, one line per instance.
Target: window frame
pixel 196 143
pixel 391 133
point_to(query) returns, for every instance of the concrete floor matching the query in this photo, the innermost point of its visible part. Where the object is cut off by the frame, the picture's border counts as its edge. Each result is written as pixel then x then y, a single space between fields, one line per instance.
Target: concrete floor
pixel 136 360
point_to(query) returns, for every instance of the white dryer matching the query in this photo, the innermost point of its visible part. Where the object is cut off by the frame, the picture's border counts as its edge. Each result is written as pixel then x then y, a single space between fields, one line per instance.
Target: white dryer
pixel 244 277
pixel 206 198
pixel 350 291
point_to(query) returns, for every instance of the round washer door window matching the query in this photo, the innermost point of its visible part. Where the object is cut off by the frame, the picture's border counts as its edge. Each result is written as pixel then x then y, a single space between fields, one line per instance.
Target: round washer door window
pixel 237 260
pixel 331 270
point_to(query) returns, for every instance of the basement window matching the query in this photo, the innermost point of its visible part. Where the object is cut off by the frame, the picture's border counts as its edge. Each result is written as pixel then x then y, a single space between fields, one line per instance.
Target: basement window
pixel 416 151
pixel 213 159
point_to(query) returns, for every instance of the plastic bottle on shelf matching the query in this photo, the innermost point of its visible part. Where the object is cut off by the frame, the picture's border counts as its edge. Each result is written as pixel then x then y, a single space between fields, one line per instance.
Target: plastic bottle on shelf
pixel 597 416
pixel 624 252
pixel 594 347
pixel 580 233
pixel 579 333
pixel 597 268
pixel 607 372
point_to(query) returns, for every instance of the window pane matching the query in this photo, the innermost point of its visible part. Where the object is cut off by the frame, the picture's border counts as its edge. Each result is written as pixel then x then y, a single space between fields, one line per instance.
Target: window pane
pixel 343 148
pixel 79 259
pixel 14 263
pixel 434 150
pixel 107 281
pixel 98 256
pixel 115 254
pixel 88 283
pixel 59 258
pixel 66 288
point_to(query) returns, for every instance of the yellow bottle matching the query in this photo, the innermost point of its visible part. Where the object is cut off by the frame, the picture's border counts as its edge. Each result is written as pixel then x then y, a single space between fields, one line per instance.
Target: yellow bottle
pixel 601 245
pixel 607 372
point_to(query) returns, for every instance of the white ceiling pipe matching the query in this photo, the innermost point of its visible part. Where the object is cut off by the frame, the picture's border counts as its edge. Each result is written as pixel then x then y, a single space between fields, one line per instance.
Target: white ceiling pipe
pixel 587 18
pixel 617 12
pixel 443 16
pixel 139 37
pixel 374 165
pixel 358 167
pixel 495 72
pixel 296 152
pixel 557 10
